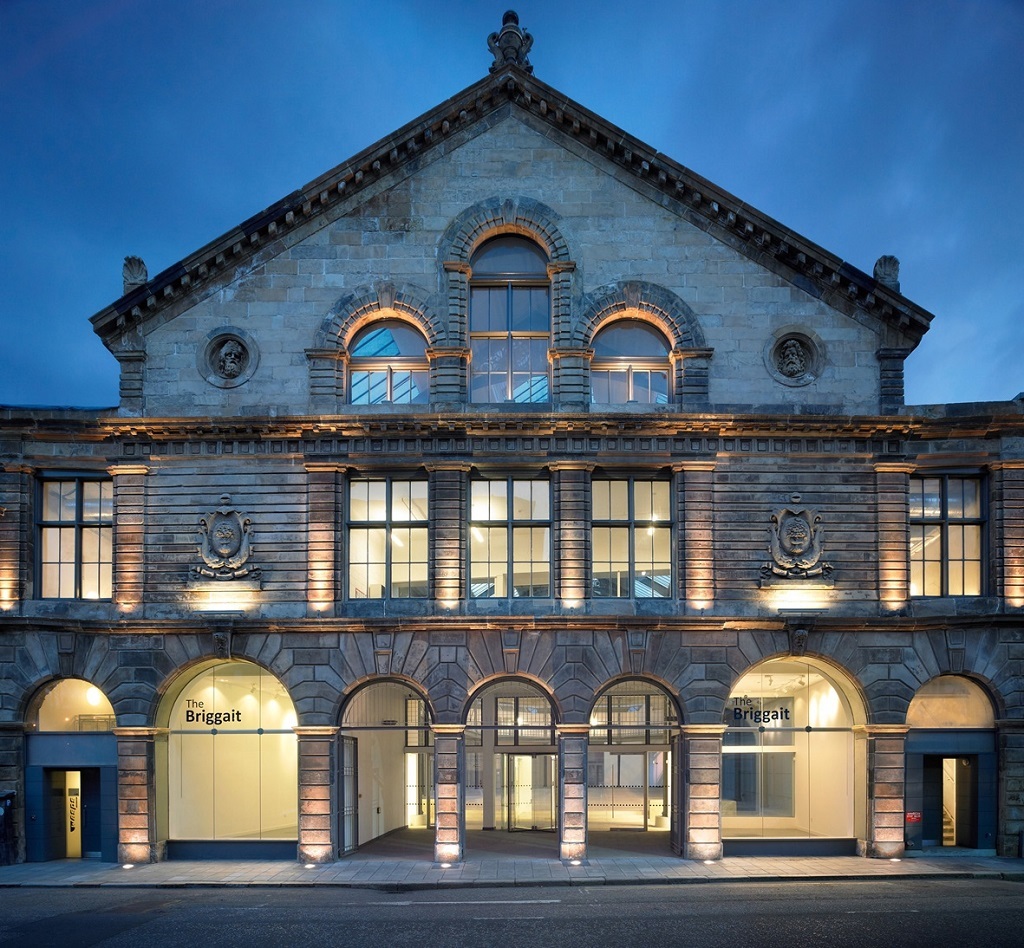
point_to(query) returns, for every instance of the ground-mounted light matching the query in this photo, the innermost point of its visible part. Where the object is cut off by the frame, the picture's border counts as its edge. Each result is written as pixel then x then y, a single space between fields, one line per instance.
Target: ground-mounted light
pixel 128 865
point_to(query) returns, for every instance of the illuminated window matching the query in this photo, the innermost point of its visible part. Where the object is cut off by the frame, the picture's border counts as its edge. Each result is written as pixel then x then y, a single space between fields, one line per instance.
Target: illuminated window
pixel 946 525
pixel 630 364
pixel 388 364
pixel 72 704
pixel 387 548
pixel 625 716
pixel 76 530
pixel 631 539
pixel 510 539
pixel 509 322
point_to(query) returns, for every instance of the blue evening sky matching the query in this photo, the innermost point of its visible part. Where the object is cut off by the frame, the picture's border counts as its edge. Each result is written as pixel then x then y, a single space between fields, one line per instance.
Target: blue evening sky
pixel 150 127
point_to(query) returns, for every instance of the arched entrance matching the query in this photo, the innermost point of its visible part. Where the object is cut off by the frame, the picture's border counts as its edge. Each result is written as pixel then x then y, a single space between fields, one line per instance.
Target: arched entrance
pixel 951 768
pixel 629 761
pixel 231 765
pixel 788 765
pixel 511 760
pixel 70 773
pixel 386 764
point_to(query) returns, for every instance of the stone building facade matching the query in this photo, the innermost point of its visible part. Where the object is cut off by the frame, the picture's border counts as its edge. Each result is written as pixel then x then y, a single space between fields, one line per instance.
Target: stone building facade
pixel 511 476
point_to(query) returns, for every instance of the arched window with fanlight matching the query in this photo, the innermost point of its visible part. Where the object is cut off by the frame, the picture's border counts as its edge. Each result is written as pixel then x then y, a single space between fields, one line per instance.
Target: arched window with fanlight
pixel 509 322
pixel 630 364
pixel 388 365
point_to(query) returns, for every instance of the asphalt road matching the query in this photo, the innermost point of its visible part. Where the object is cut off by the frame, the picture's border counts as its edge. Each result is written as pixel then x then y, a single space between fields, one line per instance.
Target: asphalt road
pixel 934 913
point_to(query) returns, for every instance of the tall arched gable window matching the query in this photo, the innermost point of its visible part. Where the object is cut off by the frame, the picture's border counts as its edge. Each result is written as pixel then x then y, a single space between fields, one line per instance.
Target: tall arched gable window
pixel 388 364
pixel 509 322
pixel 630 364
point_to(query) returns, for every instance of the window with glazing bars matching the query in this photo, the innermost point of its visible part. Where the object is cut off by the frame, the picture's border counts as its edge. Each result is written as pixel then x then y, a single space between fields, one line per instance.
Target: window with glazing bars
pixel 510 538
pixel 76 532
pixel 946 535
pixel 387 539
pixel 631 539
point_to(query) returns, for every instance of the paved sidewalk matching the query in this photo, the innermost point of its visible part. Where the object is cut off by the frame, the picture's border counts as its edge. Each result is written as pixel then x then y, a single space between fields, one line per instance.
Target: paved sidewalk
pixel 411 874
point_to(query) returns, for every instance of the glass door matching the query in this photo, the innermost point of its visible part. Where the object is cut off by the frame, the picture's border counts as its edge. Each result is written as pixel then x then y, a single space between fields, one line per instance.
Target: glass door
pixel 348 788
pixel 531 792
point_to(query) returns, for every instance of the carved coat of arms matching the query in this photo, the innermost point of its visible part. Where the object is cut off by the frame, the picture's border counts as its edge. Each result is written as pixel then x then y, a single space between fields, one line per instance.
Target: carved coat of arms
pixel 795 542
pixel 225 543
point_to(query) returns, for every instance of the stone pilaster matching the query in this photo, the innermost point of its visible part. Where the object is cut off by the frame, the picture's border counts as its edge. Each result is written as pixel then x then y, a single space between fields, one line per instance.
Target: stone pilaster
pixel 570 374
pixel 1010 817
pixel 892 488
pixel 16 535
pixel 326 380
pixel 885 754
pixel 890 368
pixel 449 792
pixel 325 499
pixel 698 831
pixel 133 366
pixel 693 491
pixel 129 535
pixel 137 832
pixel 318 798
pixel 448 513
pixel 571 489
pixel 1007 526
pixel 12 770
pixel 573 740
pixel 458 301
pixel 560 272
pixel 691 370
pixel 449 369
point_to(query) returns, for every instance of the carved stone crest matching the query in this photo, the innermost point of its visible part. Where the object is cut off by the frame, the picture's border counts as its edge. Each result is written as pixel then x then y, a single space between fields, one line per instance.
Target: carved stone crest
pixel 511 44
pixel 795 542
pixel 225 543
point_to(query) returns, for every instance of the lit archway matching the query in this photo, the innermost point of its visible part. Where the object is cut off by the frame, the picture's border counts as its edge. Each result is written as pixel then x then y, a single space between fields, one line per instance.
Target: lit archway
pixel 232 761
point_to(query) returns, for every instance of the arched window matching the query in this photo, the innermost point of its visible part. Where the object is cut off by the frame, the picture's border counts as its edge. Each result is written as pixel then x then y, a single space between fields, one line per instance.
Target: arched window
pixel 630 365
pixel 389 364
pixel 509 322
pixel 72 704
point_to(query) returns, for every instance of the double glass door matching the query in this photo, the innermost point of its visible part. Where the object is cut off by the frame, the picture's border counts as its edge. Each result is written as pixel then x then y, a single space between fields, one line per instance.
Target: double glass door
pixel 531 791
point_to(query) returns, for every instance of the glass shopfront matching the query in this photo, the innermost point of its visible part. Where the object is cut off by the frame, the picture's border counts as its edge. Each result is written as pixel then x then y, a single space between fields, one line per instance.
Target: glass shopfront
pixel 788 755
pixel 232 762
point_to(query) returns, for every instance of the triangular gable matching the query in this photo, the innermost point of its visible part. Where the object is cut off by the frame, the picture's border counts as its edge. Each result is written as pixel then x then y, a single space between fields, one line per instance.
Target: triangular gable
pixel 719 213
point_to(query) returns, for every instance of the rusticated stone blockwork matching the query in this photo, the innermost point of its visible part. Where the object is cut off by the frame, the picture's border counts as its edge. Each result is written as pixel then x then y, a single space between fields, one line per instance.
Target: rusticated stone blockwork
pixel 572 792
pixel 450 770
pixel 318 821
pixel 137 838
pixel 700 816
pixel 886 767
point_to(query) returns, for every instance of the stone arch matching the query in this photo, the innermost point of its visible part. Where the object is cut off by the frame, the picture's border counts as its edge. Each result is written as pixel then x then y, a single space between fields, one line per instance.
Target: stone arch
pixel 983 688
pixel 383 300
pixel 34 698
pixel 520 678
pixel 520 215
pixel 649 302
pixel 368 681
pixel 643 678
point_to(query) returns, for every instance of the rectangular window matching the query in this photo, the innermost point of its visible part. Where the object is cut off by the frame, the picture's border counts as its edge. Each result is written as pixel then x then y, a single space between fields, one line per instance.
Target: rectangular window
pixel 631 539
pixel 509 340
pixel 387 539
pixel 510 539
pixel 76 534
pixel 946 536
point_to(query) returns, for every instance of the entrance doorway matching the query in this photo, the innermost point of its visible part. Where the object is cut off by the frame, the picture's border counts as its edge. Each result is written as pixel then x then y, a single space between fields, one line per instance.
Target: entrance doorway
pixel 531 792
pixel 950 814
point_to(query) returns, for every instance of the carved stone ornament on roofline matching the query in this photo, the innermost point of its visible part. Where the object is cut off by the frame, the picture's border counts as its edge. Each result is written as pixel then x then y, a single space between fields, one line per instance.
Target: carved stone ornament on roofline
pixel 795 541
pixel 511 44
pixel 225 544
pixel 134 273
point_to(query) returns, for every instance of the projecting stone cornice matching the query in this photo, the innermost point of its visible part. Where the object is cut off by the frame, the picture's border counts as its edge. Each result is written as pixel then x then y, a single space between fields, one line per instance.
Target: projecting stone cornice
pixel 693 197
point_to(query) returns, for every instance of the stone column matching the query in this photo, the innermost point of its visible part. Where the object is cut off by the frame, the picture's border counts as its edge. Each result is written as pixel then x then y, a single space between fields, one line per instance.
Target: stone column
pixel 448 515
pixel 325 499
pixel 129 534
pixel 318 798
pixel 886 759
pixel 1010 816
pixel 573 740
pixel 449 792
pixel 699 791
pixel 571 522
pixel 892 487
pixel 694 496
pixel 137 831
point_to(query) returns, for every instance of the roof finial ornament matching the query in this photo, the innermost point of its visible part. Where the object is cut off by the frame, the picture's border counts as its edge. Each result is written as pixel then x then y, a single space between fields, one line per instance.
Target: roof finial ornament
pixel 511 45
pixel 133 273
pixel 887 272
